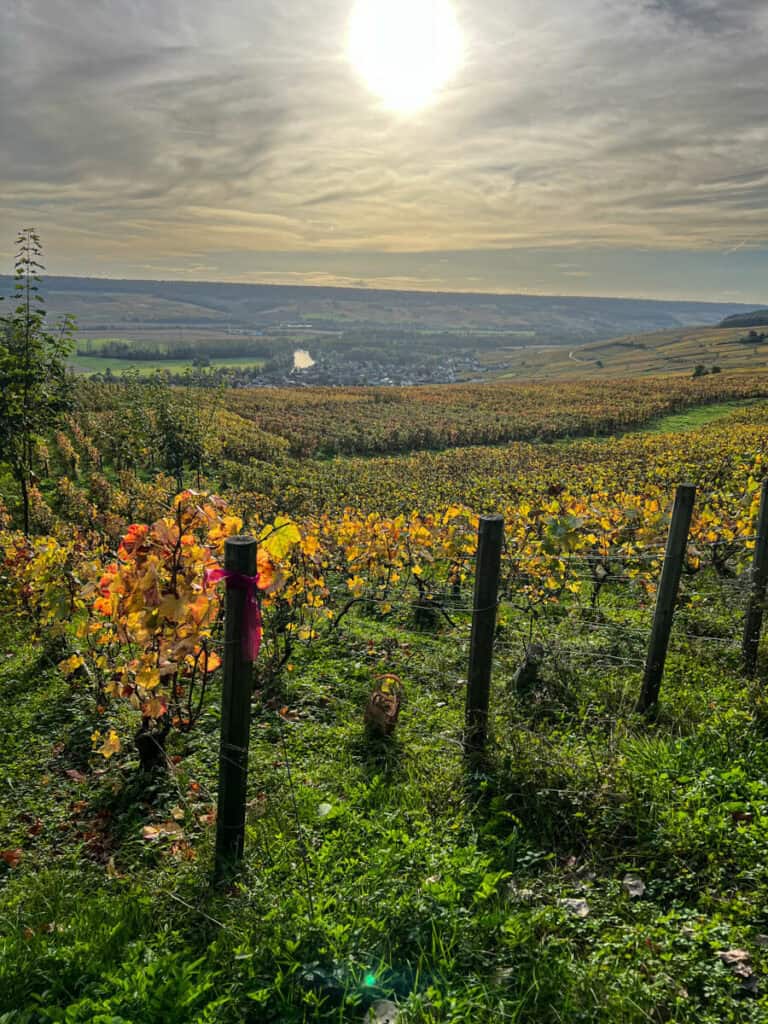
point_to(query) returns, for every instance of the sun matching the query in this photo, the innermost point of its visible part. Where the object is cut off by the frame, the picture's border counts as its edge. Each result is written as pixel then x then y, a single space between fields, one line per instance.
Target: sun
pixel 405 50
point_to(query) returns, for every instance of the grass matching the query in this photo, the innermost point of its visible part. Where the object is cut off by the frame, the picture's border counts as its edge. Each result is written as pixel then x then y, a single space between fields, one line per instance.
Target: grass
pixel 692 419
pixel 680 422
pixel 401 871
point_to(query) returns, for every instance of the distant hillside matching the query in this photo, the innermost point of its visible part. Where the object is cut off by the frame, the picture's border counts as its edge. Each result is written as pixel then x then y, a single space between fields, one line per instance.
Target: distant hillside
pixel 143 309
pixel 678 351
pixel 757 318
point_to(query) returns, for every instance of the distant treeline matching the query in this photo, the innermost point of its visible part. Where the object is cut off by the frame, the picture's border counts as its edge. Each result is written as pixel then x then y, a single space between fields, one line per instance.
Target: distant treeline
pixel 358 345
pixel 224 348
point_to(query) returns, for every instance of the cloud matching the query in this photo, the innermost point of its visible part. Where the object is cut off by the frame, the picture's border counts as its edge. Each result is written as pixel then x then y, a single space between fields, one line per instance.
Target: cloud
pixel 174 132
pixel 707 15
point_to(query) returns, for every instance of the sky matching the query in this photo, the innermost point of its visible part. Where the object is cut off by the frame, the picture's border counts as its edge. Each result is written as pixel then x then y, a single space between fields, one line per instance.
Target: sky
pixel 594 147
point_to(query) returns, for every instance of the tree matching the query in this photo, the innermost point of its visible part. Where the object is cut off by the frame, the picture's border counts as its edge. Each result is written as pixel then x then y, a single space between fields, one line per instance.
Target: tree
pixel 34 386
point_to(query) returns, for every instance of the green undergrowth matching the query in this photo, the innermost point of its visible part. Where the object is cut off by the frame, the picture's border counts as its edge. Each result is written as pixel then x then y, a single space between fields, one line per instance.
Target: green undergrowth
pixel 393 868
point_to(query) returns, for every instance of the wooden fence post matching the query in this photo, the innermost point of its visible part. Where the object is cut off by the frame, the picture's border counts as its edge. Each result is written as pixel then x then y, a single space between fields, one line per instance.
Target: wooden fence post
pixel 667 596
pixel 490 539
pixel 239 557
pixel 754 620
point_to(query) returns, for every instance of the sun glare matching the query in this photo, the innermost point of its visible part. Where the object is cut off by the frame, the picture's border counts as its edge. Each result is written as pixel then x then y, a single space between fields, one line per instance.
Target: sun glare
pixel 405 50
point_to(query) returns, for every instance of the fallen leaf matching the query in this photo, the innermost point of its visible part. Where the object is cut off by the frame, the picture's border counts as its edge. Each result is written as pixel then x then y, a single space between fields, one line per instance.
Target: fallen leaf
pixel 633 885
pixel 738 963
pixel 177 813
pixel 167 828
pixel 11 857
pixel 383 1011
pixel 324 810
pixel 183 850
pixel 75 775
pixel 730 957
pixel 742 970
pixel 576 907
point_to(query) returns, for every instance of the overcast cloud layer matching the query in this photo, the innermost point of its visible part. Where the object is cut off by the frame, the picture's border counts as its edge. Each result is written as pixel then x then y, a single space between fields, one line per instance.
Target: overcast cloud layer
pixel 231 140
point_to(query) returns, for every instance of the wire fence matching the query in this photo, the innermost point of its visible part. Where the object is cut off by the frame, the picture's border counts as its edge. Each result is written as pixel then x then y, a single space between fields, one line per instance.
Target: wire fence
pixel 622 612
pixel 588 626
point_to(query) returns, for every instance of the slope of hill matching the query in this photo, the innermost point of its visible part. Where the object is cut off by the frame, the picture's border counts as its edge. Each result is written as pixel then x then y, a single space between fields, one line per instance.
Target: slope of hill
pixel 757 318
pixel 676 351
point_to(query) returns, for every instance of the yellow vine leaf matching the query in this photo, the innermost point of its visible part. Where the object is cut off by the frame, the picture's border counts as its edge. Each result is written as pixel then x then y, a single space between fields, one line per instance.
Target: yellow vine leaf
pixel 147 677
pixel 110 746
pixel 70 664
pixel 278 539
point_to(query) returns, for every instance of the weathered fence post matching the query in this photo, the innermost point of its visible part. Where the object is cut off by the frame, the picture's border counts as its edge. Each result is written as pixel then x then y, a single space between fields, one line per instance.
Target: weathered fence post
pixel 240 558
pixel 754 620
pixel 490 539
pixel 667 596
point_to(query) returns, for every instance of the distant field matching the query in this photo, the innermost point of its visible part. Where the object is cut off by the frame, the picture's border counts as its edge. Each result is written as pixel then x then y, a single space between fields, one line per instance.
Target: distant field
pixel 95 364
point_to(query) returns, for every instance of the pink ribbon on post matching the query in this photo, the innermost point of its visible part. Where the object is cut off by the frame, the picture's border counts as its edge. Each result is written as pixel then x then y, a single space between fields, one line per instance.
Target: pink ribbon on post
pixel 251 611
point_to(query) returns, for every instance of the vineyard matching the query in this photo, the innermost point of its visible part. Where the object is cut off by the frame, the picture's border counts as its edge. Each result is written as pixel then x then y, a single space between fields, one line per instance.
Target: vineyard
pixel 397 419
pixel 263 422
pixel 596 865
